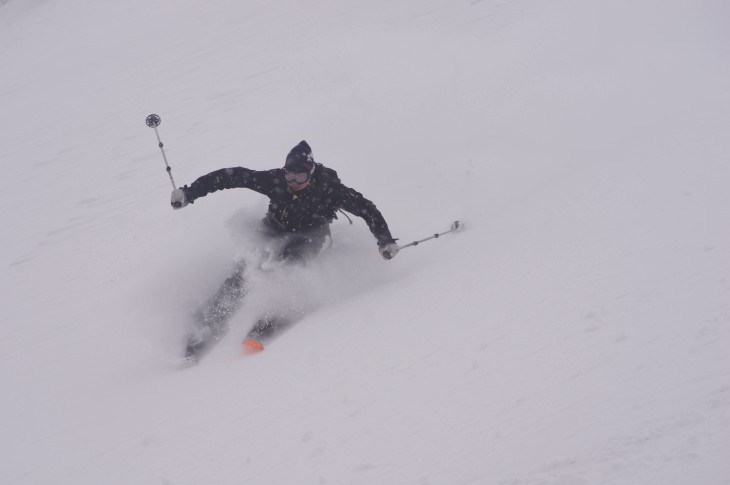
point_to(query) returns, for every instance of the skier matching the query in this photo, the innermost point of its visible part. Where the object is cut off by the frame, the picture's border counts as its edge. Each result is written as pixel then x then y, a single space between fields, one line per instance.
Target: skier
pixel 304 197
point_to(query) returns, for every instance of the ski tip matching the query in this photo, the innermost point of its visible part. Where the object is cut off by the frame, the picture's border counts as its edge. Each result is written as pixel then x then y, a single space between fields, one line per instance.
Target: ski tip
pixel 251 346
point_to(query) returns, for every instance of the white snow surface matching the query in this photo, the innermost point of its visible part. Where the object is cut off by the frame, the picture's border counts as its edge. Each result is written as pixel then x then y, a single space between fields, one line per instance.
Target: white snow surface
pixel 575 333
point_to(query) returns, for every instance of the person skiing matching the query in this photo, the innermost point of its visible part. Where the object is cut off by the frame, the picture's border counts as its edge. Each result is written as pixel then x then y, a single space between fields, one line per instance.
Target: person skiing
pixel 304 197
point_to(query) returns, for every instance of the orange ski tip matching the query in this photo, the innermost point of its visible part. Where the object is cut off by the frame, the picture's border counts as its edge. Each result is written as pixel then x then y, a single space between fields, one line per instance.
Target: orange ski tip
pixel 250 346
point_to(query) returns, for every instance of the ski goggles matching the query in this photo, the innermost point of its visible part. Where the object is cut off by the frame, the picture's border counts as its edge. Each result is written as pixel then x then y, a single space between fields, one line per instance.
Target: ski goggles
pixel 296 177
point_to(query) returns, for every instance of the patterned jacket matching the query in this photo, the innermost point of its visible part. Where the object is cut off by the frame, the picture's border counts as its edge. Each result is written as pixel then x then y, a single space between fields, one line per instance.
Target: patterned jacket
pixel 311 209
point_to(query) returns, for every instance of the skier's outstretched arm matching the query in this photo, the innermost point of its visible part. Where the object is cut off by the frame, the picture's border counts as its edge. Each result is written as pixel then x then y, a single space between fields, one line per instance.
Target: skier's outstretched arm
pixel 225 178
pixel 355 203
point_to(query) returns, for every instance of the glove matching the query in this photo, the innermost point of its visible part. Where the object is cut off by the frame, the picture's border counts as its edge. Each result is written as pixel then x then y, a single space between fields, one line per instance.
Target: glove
pixel 178 199
pixel 388 250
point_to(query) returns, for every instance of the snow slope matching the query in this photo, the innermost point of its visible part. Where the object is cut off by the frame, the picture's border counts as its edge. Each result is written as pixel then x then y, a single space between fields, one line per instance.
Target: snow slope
pixel 576 333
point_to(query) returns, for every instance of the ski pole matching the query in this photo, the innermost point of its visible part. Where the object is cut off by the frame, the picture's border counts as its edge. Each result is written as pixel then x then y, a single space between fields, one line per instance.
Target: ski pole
pixel 455 226
pixel 153 121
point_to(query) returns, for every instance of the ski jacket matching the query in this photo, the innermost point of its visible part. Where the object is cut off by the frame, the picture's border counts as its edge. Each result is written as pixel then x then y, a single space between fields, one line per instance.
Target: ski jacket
pixel 308 210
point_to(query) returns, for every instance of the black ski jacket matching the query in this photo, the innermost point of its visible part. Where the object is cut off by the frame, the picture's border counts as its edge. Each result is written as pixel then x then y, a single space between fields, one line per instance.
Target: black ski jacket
pixel 311 209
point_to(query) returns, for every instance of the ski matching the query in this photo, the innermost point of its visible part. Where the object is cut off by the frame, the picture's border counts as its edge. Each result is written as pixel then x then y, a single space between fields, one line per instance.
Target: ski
pixel 265 330
pixel 252 346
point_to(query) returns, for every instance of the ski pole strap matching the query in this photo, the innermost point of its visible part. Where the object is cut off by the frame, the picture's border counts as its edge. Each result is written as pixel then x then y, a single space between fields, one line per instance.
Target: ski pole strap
pixel 455 226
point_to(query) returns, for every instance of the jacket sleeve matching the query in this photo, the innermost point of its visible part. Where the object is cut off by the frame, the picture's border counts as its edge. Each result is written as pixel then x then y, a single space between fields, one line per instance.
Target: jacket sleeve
pixel 230 178
pixel 353 202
